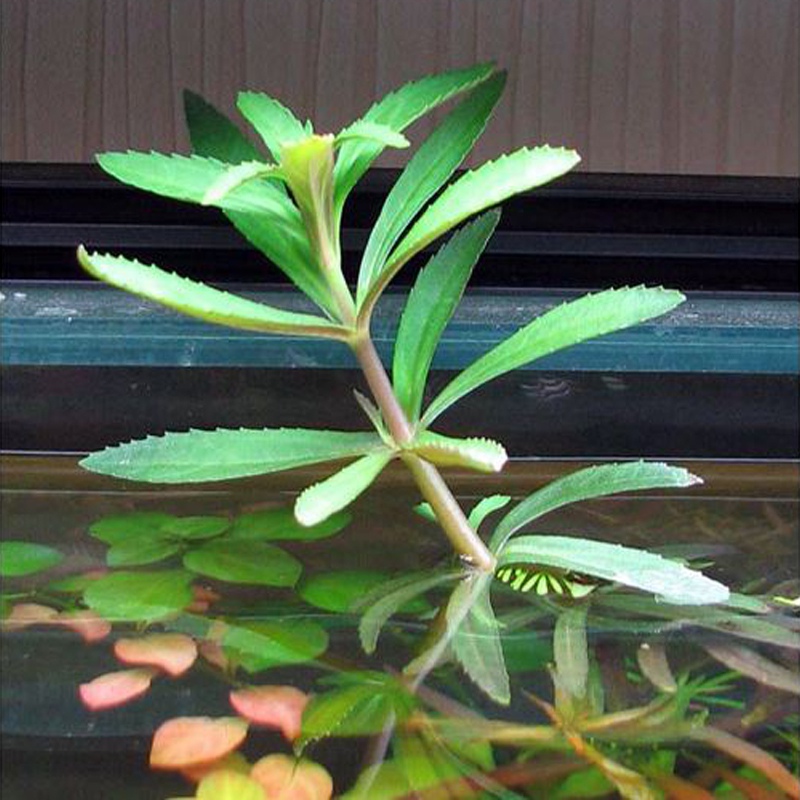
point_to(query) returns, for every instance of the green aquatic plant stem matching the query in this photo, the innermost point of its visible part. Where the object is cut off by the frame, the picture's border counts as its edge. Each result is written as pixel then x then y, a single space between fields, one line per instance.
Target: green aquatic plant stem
pixel 448 512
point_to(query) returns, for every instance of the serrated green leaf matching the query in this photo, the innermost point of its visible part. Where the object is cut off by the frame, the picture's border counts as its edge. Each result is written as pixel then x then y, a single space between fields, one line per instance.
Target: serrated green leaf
pixel 275 123
pixel 280 524
pixel 485 507
pixel 202 301
pixel 483 455
pixel 141 550
pixel 121 527
pixel 196 456
pixel 213 134
pixel 26 558
pixel 244 562
pixel 567 324
pixel 198 527
pixel 388 599
pixel 426 172
pixel 139 596
pixel 476 190
pixel 237 175
pixel 320 501
pixel 397 111
pixel 429 307
pixel 668 580
pixel 475 641
pixel 586 484
pixel 374 132
pixel 263 644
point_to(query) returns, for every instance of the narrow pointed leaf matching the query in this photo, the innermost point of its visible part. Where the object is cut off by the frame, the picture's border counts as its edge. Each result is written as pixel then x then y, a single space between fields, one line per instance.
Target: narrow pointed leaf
pixel 388 599
pixel 397 111
pixel 483 455
pixel 485 507
pixel 236 176
pixel 566 325
pixel 430 306
pixel 586 484
pixel 476 638
pixel 275 123
pixel 200 300
pixel 754 665
pixel 476 190
pixel 196 456
pixel 426 172
pixel 668 580
pixel 375 132
pixel 325 498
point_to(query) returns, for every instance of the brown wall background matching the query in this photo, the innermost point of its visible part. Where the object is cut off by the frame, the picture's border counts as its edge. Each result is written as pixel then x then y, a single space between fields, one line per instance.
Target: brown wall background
pixel 663 86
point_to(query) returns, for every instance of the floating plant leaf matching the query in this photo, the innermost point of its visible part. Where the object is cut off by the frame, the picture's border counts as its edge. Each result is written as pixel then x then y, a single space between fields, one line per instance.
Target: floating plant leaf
pixel 244 562
pixel 670 581
pixel 26 558
pixel 196 456
pixel 586 484
pixel 281 524
pixel 139 596
pixel 430 305
pixel 426 172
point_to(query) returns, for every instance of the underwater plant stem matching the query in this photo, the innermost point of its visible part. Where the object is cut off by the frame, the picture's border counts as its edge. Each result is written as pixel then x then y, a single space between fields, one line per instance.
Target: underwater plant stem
pixel 430 482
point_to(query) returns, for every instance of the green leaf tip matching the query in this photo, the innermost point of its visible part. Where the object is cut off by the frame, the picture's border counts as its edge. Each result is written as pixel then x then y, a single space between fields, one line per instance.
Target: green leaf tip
pixel 481 454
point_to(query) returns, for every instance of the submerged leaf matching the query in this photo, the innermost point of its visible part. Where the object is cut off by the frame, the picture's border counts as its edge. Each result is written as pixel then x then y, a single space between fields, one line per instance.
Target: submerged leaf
pixel 174 653
pixel 115 688
pixel 26 558
pixel 285 778
pixel 670 581
pixel 278 707
pixel 280 523
pixel 139 596
pixel 244 562
pixel 338 591
pixel 229 784
pixel 570 323
pixel 196 456
pixel 188 741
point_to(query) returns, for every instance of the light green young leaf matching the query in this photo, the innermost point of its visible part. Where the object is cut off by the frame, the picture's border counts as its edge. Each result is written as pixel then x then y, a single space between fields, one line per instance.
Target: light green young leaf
pixel 26 558
pixel 430 306
pixel 589 483
pixel 244 562
pixel 485 507
pixel 213 134
pixel 118 528
pixel 195 456
pixel 236 176
pixel 373 131
pixel 426 172
pixel 275 123
pixel 325 498
pixel 668 580
pixel 566 325
pixel 476 190
pixel 483 455
pixel 202 301
pixel 397 111
pixel 476 637
pixel 386 600
pixel 139 596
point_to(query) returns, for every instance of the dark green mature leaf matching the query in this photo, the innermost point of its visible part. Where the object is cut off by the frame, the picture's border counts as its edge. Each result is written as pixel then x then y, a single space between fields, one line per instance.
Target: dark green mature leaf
pixel 670 581
pixel 387 600
pixel 323 499
pixel 476 637
pixel 397 111
pixel 430 306
pixel 202 301
pixel 280 524
pixel 213 134
pixel 244 562
pixel 588 483
pixel 475 191
pixel 275 123
pixel 337 591
pixel 26 558
pixel 141 550
pixel 196 527
pixel 122 527
pixel 139 596
pixel 567 324
pixel 426 172
pixel 197 456
pixel 263 644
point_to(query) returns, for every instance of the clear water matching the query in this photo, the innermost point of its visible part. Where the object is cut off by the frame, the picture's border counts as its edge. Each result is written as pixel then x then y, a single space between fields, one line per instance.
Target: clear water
pixel 744 519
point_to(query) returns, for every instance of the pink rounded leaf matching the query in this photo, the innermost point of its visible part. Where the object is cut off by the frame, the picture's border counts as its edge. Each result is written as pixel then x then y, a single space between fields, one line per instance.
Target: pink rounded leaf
pixel 188 741
pixel 214 654
pixel 278 707
pixel 24 614
pixel 88 625
pixel 284 778
pixel 115 688
pixel 173 653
